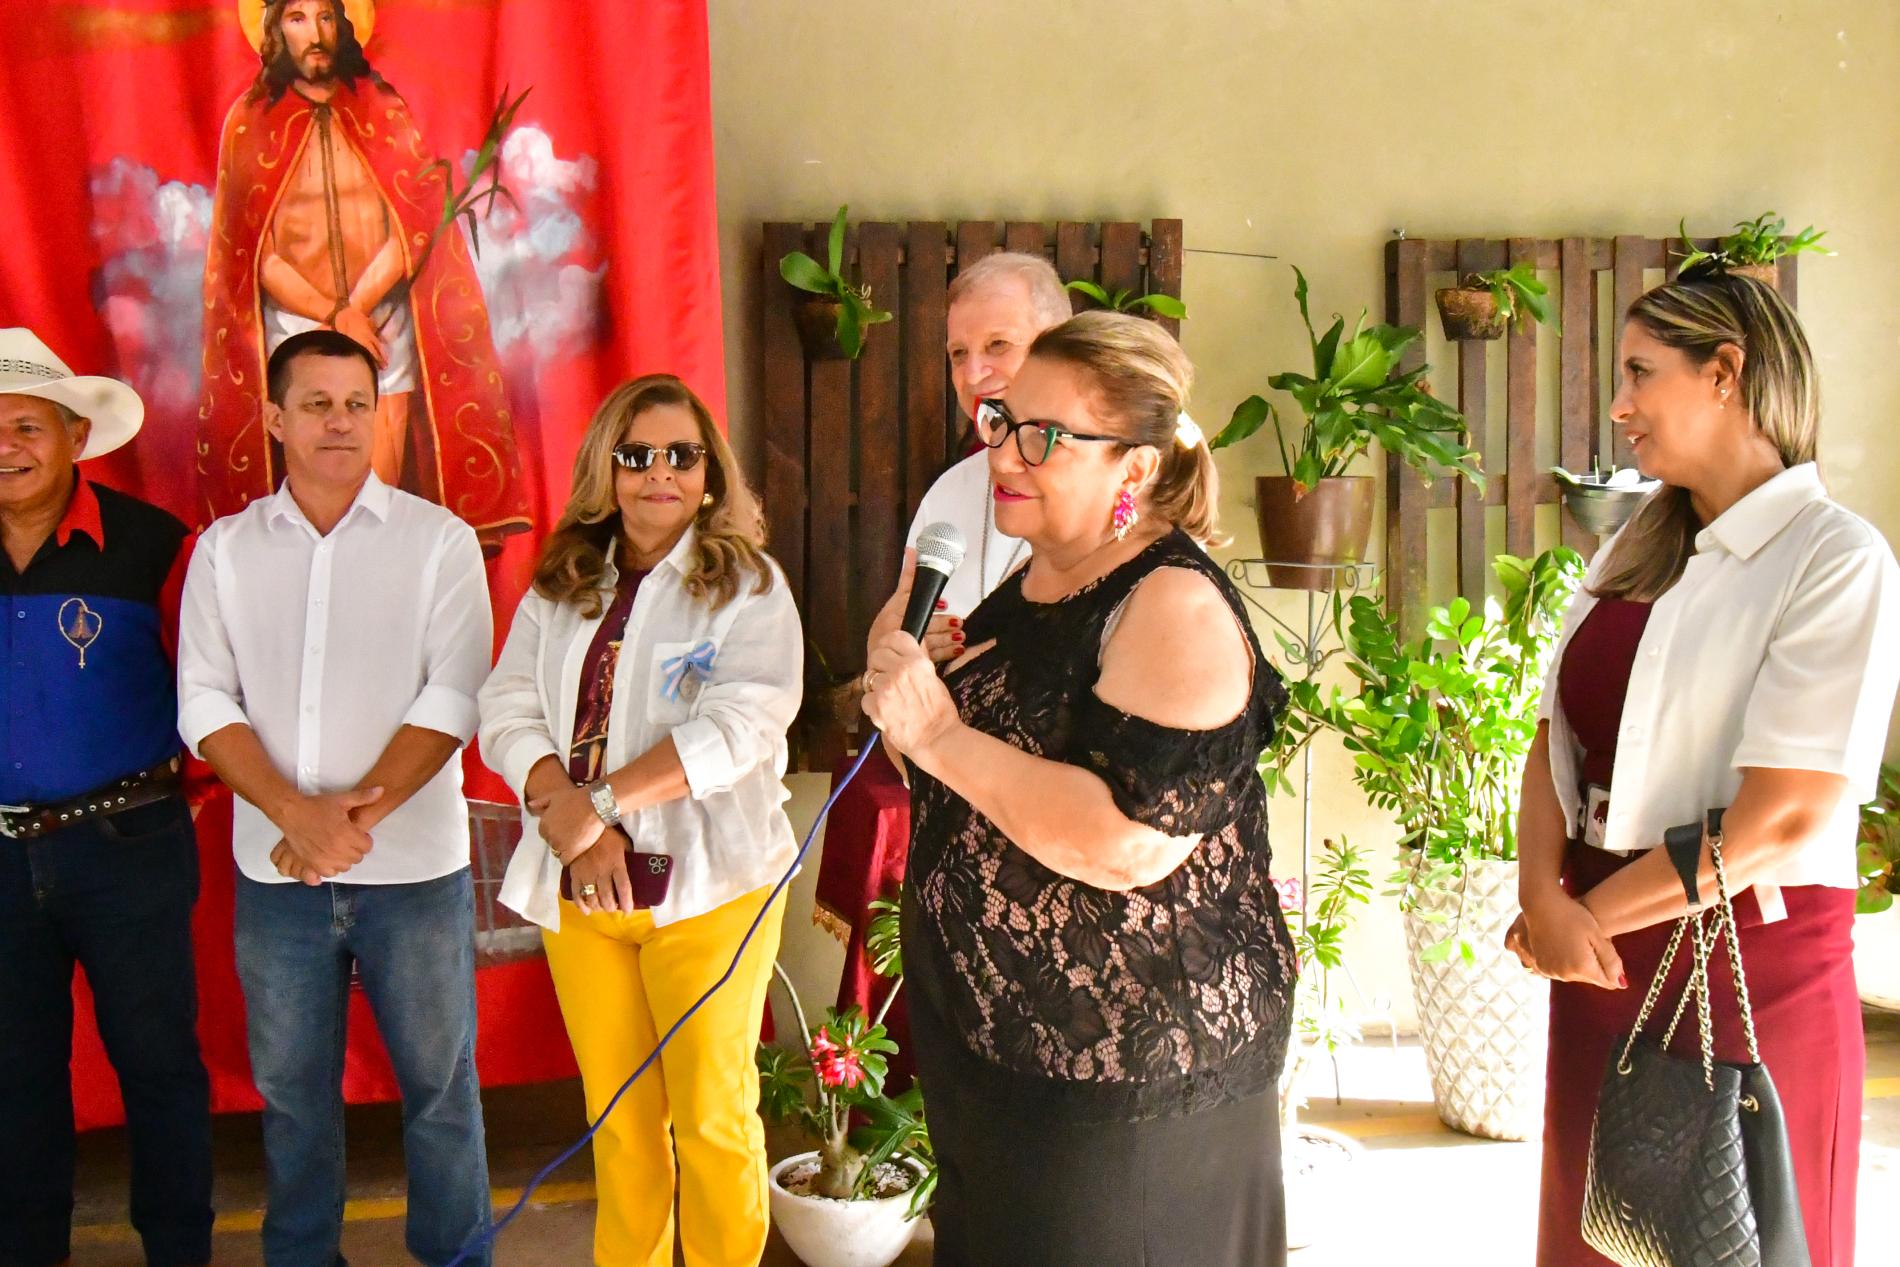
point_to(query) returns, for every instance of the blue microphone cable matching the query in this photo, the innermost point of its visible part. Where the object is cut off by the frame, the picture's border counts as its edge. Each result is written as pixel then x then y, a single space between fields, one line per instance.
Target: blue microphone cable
pixel 488 1237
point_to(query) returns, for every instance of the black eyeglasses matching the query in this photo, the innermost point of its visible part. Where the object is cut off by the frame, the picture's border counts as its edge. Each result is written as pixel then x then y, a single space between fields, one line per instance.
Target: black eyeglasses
pixel 681 455
pixel 1035 437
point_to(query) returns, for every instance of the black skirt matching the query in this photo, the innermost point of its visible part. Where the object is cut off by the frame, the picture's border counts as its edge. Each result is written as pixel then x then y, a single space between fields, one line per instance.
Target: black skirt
pixel 1024 1185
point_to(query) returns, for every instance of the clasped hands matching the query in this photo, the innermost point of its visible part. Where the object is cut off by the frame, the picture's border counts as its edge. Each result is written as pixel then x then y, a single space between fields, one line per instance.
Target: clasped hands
pixel 1556 936
pixel 324 835
pixel 572 827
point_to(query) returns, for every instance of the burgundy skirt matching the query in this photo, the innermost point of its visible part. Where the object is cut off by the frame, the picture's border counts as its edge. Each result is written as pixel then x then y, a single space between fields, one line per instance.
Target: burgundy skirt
pixel 1807 1020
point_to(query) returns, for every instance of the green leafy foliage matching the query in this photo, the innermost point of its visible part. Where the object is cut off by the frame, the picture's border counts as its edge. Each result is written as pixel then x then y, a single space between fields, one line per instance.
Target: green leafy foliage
pixel 1518 293
pixel 1319 920
pixel 1438 729
pixel 1762 240
pixel 1879 846
pixel 827 280
pixel 1357 394
pixel 1128 301
pixel 832 1085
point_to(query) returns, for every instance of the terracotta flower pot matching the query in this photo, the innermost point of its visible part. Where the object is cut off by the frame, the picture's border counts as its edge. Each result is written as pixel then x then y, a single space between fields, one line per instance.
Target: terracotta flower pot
pixel 1327 525
pixel 817 319
pixel 1470 312
pixel 1767 274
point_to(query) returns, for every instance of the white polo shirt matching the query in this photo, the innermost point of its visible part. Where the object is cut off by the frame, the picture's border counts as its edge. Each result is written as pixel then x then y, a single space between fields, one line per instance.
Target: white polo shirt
pixel 1778 648
pixel 961 496
pixel 326 646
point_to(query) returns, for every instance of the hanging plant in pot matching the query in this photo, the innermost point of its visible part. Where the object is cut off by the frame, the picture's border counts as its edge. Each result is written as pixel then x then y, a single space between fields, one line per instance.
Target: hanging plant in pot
pixel 1754 249
pixel 832 319
pixel 1318 1165
pixel 855 1200
pixel 1438 731
pixel 1316 515
pixel 1485 305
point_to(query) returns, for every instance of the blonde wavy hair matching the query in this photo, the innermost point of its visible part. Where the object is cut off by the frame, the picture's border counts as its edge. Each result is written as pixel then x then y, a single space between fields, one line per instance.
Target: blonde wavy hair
pixel 1698 314
pixel 730 549
pixel 1143 379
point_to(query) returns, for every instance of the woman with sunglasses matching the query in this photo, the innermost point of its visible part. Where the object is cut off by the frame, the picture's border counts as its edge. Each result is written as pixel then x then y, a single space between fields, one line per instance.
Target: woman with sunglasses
pixel 639 708
pixel 1097 966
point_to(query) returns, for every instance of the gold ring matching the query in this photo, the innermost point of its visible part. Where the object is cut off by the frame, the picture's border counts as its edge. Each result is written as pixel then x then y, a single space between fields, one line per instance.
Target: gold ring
pixel 588 890
pixel 870 680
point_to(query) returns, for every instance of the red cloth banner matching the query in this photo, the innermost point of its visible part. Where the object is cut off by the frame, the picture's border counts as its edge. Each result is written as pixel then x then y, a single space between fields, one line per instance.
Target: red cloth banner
pixel 168 210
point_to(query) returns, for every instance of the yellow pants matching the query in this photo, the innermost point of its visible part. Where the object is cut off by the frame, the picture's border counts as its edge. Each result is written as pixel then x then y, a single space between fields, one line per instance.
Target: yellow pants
pixel 622 983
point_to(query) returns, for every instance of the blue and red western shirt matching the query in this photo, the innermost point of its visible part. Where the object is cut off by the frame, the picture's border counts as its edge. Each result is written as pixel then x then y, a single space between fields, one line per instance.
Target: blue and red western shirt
pixel 89 637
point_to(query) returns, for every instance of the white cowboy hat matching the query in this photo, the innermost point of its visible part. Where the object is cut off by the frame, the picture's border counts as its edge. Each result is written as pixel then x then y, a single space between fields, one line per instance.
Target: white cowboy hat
pixel 29 368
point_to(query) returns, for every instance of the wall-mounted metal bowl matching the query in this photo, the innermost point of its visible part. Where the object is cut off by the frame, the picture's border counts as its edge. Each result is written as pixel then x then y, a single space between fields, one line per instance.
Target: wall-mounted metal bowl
pixel 1601 507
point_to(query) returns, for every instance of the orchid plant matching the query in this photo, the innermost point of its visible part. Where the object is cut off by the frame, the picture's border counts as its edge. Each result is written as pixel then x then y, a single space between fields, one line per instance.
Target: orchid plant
pixel 832 1085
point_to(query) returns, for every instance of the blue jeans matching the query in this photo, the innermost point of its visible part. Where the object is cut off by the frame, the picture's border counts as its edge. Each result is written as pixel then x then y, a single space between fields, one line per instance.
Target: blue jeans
pixel 113 895
pixel 414 950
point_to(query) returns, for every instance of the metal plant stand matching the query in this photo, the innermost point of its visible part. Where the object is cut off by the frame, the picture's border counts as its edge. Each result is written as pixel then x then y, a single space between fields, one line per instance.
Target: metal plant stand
pixel 1307 650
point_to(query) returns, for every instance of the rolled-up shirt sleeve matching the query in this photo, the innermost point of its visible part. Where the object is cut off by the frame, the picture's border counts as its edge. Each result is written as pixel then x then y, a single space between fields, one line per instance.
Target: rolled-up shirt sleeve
pixel 456 641
pixel 752 697
pixel 210 695
pixel 1824 695
pixel 515 729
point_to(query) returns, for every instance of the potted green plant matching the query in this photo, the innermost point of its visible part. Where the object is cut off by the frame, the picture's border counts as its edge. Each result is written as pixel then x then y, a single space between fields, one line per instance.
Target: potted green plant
pixel 1877 931
pixel 854 1200
pixel 1128 301
pixel 1316 1163
pixel 1316 514
pixel 1438 731
pixel 831 322
pixel 1753 249
pixel 1484 305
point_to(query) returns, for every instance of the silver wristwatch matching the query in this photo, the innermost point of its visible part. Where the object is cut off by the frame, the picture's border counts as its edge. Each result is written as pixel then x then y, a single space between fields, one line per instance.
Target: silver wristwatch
pixel 604 804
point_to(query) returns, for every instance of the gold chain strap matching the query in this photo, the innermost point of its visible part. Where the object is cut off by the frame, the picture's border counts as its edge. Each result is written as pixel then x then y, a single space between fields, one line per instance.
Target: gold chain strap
pixel 1702 938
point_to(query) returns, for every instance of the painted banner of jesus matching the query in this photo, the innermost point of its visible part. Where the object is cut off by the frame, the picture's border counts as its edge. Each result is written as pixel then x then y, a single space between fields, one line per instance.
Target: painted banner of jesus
pixel 324 210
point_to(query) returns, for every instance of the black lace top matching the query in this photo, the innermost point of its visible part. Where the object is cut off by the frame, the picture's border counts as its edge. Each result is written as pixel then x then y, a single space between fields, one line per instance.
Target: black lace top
pixel 1158 1001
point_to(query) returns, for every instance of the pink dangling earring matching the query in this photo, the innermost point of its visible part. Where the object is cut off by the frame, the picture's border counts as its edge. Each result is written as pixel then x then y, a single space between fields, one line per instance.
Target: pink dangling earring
pixel 1125 514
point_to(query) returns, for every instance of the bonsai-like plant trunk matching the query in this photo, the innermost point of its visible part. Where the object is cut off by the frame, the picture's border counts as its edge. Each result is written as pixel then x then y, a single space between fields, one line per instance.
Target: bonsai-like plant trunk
pixel 1326 525
pixel 1470 312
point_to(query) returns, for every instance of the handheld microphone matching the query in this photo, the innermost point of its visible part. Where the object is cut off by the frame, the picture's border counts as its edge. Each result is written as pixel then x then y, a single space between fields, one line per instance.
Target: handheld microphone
pixel 940 550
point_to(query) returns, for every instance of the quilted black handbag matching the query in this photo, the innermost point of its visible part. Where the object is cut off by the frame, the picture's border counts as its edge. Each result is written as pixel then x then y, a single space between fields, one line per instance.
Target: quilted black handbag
pixel 1689 1162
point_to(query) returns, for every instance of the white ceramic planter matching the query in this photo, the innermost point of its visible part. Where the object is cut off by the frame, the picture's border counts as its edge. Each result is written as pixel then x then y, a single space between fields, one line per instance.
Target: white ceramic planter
pixel 1320 1167
pixel 827 1232
pixel 1484 1023
pixel 1877 957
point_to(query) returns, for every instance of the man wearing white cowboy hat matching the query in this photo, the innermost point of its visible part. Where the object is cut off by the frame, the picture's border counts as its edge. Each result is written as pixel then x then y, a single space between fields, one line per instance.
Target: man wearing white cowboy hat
pixel 98 860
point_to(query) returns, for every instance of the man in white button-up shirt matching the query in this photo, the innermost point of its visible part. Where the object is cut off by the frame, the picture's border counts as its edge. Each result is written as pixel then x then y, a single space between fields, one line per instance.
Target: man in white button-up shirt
pixel 332 640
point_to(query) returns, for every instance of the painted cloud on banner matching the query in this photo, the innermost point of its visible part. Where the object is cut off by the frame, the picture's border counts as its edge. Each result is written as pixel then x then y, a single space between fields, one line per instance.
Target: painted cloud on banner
pixel 539 262
pixel 151 237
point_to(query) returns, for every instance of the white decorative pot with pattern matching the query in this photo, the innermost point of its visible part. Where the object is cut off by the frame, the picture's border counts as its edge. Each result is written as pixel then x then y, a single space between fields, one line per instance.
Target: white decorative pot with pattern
pixel 1483 1021
pixel 1877 957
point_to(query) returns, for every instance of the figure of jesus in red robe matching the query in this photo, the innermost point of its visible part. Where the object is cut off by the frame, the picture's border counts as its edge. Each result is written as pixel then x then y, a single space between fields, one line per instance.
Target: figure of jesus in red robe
pixel 325 208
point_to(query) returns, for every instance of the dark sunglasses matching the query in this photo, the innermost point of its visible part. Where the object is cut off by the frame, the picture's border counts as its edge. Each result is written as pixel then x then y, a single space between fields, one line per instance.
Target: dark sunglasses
pixel 1036 438
pixel 681 455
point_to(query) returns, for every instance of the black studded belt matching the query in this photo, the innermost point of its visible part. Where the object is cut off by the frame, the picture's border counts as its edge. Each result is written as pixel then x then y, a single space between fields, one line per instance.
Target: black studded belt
pixel 29 822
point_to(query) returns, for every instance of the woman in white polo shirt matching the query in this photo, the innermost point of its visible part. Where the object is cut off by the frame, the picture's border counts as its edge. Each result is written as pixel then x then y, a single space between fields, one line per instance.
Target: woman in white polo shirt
pixel 639 708
pixel 1738 647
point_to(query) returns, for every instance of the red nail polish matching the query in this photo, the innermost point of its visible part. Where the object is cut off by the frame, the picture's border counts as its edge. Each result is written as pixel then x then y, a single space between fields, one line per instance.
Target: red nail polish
pixel 1622 981
pixel 941 604
pixel 957 636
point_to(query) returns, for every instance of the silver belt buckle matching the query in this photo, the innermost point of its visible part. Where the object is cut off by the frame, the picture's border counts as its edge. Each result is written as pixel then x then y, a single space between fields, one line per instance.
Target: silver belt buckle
pixel 6 819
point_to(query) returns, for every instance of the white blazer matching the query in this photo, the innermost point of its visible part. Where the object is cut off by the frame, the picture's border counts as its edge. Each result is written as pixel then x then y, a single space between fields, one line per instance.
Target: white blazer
pixel 1779 647
pixel 725 683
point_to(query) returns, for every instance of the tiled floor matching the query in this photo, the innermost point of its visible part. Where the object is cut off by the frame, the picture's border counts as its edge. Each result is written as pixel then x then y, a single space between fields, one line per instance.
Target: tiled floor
pixel 1425 1195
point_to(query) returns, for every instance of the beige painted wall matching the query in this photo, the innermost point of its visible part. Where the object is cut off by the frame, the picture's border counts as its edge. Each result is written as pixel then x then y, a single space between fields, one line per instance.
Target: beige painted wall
pixel 1311 129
